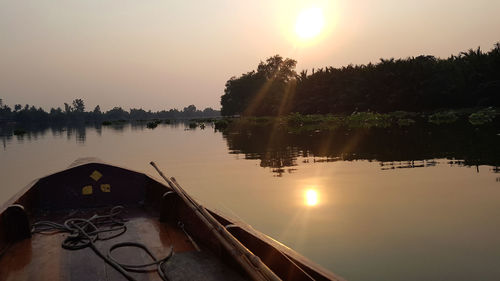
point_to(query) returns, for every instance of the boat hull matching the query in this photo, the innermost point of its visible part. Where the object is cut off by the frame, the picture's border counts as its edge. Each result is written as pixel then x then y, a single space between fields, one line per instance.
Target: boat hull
pixel 155 213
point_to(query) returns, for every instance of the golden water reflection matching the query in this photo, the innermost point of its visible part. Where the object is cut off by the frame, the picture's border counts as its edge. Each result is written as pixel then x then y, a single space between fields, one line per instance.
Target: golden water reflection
pixel 311 197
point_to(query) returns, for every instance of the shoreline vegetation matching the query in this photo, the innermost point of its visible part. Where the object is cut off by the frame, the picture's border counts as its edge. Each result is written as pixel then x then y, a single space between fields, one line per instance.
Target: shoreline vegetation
pixel 297 123
pixel 416 84
pixel 75 113
pixel 390 94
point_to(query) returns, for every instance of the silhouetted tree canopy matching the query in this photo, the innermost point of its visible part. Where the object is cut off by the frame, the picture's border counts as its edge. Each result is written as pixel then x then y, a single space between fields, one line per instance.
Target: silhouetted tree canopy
pixel 420 83
pixel 75 112
pixel 79 105
pixel 260 92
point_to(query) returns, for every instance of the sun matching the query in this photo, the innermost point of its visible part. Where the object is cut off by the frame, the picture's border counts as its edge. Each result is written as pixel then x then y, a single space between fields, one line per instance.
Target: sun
pixel 309 23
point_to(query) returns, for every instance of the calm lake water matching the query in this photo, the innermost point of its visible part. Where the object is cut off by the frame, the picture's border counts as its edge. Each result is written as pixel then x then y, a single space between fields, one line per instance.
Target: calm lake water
pixel 418 205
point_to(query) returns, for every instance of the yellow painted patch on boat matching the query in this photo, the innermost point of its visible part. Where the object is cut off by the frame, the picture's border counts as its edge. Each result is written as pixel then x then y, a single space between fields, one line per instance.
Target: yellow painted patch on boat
pixel 87 190
pixel 96 175
pixel 106 187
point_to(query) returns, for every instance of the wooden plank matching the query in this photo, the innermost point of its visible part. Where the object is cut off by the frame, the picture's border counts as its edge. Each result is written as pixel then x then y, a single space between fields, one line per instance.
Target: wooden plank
pixel 157 236
pixel 43 258
pixel 129 255
pixel 38 258
pixel 83 265
pixel 179 239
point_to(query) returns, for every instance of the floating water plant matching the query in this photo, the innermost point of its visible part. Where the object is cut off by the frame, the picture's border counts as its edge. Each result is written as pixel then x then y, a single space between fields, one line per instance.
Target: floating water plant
pixel 405 122
pixel 483 116
pixel 203 120
pixel 445 117
pixel 19 132
pixel 221 124
pixel 367 120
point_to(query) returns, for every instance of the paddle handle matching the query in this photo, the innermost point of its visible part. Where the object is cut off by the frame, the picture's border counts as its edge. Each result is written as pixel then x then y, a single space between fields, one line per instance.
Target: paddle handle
pixel 251 263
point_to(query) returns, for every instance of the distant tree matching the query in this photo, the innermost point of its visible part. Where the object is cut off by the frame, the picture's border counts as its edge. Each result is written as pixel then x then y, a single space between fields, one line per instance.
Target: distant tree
pixel 54 111
pixel 190 108
pixel 173 113
pixel 209 112
pixel 5 111
pixel 97 110
pixel 57 115
pixel 139 114
pixel 117 113
pixel 189 111
pixel 79 105
pixel 94 115
pixel 75 113
pixel 67 108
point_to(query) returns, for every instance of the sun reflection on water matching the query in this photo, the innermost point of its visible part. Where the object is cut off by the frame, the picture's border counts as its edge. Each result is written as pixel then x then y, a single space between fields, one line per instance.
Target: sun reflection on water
pixel 311 197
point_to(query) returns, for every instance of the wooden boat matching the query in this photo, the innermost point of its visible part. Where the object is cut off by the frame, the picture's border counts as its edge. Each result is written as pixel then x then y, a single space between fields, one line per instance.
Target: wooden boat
pixel 198 244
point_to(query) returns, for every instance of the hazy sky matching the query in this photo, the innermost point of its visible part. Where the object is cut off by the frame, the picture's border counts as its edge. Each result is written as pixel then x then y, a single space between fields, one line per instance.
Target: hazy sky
pixel 169 54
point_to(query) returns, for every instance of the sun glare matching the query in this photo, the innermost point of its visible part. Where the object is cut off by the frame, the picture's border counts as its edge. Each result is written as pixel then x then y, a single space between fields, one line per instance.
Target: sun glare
pixel 309 23
pixel 311 197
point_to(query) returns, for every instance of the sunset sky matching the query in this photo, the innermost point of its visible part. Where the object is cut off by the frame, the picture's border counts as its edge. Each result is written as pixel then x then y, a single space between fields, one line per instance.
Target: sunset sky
pixel 169 54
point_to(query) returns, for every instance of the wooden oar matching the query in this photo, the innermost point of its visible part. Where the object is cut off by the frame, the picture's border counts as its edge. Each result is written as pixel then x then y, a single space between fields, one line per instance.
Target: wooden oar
pixel 252 264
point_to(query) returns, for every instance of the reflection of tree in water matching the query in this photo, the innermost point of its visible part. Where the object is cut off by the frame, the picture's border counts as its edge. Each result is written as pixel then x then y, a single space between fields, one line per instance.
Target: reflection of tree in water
pixel 117 127
pixel 81 134
pixel 259 143
pixel 69 133
pixel 33 132
pixel 394 148
pixel 98 129
pixel 410 164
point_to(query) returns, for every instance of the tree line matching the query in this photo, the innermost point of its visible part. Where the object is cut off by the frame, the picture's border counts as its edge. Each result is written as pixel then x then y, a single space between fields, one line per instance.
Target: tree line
pixel 423 83
pixel 75 112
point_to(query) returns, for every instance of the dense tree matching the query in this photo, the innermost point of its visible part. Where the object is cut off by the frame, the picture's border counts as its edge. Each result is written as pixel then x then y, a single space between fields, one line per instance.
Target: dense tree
pixel 260 92
pixel 420 83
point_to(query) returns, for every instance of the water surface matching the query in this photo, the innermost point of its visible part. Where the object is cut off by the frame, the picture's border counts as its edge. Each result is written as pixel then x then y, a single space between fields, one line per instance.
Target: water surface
pixel 365 206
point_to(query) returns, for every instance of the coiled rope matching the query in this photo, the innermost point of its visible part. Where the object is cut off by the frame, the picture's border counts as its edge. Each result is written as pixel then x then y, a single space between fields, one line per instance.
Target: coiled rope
pixel 86 232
